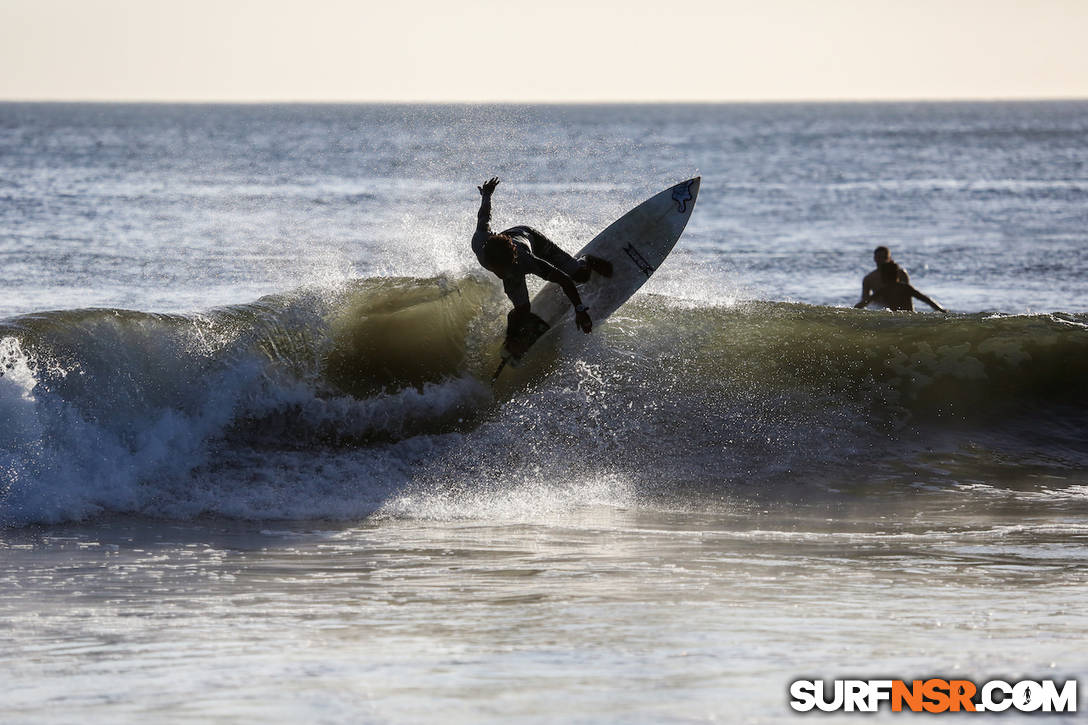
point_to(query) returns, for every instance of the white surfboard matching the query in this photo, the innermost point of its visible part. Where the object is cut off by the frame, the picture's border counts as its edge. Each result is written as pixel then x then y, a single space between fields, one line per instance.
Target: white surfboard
pixel 636 244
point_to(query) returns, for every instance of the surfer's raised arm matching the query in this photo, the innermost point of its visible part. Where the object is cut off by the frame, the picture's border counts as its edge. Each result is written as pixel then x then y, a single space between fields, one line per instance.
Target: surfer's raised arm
pixel 483 217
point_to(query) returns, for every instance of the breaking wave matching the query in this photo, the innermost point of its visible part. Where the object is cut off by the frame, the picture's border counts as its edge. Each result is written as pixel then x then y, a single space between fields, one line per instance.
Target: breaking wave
pixel 337 402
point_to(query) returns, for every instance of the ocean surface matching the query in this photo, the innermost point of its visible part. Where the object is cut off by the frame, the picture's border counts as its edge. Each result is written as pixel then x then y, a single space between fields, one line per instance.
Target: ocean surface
pixel 252 468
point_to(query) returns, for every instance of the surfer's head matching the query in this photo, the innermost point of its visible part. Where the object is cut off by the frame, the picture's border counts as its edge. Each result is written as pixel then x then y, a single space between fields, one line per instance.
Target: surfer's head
pixel 500 254
pixel 881 255
pixel 889 271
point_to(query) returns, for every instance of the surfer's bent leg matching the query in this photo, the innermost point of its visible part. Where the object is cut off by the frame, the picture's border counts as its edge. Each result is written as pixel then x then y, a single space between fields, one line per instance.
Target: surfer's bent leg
pixel 551 253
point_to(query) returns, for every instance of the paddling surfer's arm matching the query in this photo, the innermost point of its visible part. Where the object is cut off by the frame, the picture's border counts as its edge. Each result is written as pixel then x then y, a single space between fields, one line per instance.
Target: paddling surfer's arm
pixel 918 295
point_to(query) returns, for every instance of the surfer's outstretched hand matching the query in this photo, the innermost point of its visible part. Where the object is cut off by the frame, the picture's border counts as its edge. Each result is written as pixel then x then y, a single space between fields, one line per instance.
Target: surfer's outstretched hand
pixel 584 323
pixel 489 186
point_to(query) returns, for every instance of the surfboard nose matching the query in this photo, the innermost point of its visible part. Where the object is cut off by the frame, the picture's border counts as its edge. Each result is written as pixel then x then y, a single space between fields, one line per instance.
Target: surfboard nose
pixel 684 193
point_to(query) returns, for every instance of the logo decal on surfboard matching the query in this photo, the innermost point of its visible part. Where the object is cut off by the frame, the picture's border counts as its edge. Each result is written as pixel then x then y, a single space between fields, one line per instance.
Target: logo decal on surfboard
pixel 638 259
pixel 681 194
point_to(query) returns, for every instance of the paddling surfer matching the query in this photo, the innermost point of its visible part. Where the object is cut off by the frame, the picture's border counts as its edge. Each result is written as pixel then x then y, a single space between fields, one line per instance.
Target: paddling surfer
pixel 518 251
pixel 897 295
pixel 872 282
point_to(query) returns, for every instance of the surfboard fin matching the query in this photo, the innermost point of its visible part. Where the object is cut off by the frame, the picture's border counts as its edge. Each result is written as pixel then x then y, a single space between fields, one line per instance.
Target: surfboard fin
pixel 499 370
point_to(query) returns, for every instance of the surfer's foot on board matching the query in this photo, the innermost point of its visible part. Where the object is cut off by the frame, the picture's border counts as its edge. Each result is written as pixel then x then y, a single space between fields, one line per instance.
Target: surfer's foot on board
pixel 601 266
pixel 591 263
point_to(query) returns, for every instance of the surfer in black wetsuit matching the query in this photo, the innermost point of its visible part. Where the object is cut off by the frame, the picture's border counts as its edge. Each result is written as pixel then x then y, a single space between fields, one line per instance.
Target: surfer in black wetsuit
pixel 896 295
pixel 521 250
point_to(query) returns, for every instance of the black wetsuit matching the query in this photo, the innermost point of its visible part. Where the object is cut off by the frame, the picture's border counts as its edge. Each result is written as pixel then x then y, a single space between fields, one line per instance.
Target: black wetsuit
pixel 535 254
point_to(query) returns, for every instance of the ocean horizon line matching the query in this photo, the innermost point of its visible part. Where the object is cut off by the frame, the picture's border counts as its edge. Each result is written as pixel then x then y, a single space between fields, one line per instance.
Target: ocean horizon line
pixel 542 102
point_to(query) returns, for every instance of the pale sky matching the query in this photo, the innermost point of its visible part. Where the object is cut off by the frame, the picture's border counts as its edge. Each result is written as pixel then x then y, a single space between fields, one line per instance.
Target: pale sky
pixel 546 50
